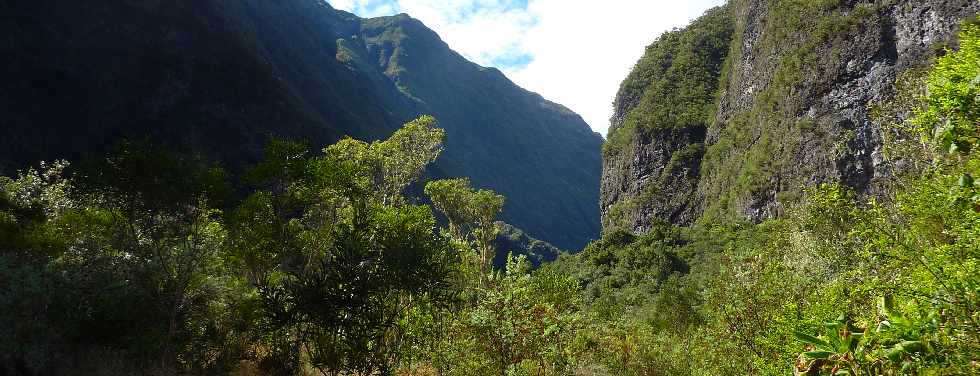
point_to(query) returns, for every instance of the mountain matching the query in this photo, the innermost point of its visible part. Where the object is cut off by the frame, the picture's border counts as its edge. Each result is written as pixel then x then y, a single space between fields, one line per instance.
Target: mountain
pixel 731 117
pixel 221 77
pixel 511 241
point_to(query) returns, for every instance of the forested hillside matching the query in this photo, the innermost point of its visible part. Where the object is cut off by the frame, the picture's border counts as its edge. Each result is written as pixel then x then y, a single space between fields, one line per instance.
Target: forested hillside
pixel 221 77
pixel 144 262
pixel 790 188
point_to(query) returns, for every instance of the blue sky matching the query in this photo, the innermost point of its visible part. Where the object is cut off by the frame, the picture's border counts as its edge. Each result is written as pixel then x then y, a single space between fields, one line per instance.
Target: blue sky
pixel 574 52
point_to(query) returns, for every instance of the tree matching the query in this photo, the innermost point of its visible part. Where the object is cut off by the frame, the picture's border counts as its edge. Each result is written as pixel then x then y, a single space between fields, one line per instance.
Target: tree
pixel 391 165
pixel 471 214
pixel 149 215
pixel 127 254
pixel 336 254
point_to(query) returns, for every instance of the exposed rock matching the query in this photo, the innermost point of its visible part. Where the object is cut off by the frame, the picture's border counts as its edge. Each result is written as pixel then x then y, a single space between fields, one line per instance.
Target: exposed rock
pixel 792 110
pixel 651 162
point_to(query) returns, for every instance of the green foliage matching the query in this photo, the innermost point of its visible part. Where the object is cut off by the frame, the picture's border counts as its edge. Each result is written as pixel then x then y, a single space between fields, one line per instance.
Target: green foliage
pixel 471 213
pixel 949 118
pixel 520 324
pixel 620 271
pixel 391 165
pixel 145 258
pixel 675 83
pixel 953 88
pixel 897 346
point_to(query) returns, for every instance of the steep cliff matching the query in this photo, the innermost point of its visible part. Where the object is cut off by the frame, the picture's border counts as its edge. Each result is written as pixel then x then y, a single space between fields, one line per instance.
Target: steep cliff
pixel 790 108
pixel 220 77
pixel 662 112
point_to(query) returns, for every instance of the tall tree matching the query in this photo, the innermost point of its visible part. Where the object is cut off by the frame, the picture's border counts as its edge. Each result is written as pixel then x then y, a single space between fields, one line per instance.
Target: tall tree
pixel 472 214
pixel 337 255
pixel 393 164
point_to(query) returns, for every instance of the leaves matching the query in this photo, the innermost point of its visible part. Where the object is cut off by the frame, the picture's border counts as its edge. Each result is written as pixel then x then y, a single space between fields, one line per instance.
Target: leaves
pixel 392 164
pixel 472 214
pixel 811 340
pixel 953 100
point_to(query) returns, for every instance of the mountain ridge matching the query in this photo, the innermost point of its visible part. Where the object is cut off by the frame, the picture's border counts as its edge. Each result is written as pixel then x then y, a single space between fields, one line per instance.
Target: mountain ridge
pixel 222 77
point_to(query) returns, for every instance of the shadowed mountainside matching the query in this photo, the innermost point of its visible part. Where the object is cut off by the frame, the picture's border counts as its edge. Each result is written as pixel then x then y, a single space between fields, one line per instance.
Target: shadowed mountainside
pixel 221 77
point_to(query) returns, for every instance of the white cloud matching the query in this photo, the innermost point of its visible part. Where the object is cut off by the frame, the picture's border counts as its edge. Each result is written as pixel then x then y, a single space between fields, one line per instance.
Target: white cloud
pixel 481 30
pixel 579 50
pixel 367 8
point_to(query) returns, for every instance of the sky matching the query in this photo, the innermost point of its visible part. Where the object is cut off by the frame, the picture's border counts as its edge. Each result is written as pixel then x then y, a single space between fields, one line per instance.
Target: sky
pixel 573 52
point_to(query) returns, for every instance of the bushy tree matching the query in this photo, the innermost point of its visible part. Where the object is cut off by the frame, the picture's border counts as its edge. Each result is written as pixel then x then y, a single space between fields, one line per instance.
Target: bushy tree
pixel 472 214
pixel 393 164
pixel 337 255
pixel 133 266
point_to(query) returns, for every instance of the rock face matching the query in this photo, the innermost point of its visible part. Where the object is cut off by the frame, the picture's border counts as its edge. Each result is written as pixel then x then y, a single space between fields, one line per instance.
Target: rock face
pixel 221 77
pixel 652 159
pixel 791 109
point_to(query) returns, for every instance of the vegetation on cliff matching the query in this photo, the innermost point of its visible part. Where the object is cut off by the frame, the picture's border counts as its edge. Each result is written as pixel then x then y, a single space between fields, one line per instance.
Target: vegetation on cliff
pixel 842 284
pixel 674 85
pixel 150 261
pixel 668 100
pixel 145 262
pixel 786 103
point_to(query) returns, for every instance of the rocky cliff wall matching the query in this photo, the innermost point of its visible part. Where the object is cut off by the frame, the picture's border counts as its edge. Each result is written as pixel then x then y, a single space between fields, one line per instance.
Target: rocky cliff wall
pixel 791 110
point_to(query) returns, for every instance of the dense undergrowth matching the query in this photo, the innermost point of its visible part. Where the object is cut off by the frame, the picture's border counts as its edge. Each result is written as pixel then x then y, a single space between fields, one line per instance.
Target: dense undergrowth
pixel 840 285
pixel 147 262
